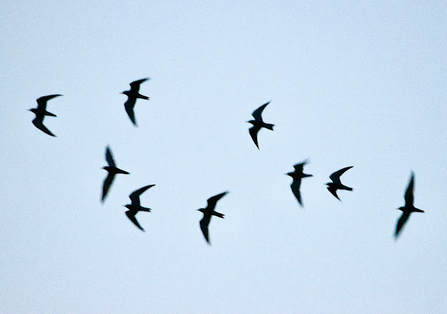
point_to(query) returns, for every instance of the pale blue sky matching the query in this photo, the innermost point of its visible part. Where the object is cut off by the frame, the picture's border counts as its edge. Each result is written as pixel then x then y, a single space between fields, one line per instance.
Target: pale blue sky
pixel 350 83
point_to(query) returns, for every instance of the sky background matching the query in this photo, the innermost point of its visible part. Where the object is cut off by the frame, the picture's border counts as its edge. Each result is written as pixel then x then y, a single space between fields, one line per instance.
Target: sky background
pixel 350 83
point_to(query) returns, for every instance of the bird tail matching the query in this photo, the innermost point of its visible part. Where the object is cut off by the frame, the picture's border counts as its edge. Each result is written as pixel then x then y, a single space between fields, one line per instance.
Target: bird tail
pixel 144 209
pixel 142 96
pixel 47 113
pixel 269 126
pixel 347 188
pixel 218 214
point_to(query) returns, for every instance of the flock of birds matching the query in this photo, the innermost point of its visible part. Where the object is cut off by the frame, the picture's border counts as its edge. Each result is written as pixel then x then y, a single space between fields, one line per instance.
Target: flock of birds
pixel 258 123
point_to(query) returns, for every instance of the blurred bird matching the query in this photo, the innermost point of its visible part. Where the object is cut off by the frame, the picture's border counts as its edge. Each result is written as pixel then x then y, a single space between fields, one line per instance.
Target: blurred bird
pixel 336 184
pixel 297 175
pixel 135 205
pixel 258 123
pixel 408 208
pixel 132 95
pixel 41 112
pixel 208 212
pixel 112 171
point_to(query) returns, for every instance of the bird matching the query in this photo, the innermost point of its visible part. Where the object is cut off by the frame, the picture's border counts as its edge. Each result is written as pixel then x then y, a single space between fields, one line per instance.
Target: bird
pixel 41 112
pixel 112 170
pixel 258 124
pixel 132 95
pixel 135 205
pixel 336 183
pixel 408 208
pixel 209 211
pixel 297 175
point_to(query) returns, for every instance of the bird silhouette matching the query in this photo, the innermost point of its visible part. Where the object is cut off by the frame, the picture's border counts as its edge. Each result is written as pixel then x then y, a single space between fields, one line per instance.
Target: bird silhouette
pixel 408 208
pixel 297 175
pixel 209 211
pixel 258 124
pixel 336 183
pixel 132 95
pixel 135 205
pixel 41 112
pixel 112 170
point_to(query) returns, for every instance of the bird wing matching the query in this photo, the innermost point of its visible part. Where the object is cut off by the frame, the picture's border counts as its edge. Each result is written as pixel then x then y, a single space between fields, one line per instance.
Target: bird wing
pixel 258 112
pixel 401 222
pixel 131 216
pixel 129 105
pixel 109 157
pixel 295 186
pixel 336 175
pixel 213 200
pixel 135 195
pixel 204 223
pixel 135 85
pixel 299 167
pixel 106 185
pixel 409 198
pixel 38 123
pixel 42 101
pixel 254 134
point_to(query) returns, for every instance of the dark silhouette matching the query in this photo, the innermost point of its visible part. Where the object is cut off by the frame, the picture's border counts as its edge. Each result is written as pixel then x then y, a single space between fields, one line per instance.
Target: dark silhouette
pixel 408 208
pixel 135 205
pixel 297 175
pixel 208 212
pixel 336 184
pixel 258 123
pixel 41 112
pixel 132 95
pixel 112 171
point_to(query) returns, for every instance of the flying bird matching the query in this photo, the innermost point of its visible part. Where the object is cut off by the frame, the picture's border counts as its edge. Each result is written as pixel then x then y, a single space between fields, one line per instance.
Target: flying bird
pixel 336 183
pixel 41 112
pixel 132 95
pixel 297 175
pixel 209 211
pixel 408 208
pixel 135 205
pixel 112 170
pixel 258 124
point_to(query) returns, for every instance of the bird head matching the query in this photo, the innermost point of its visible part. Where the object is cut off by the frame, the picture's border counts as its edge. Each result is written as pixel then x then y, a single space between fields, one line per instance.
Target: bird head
pixel 126 92
pixel 290 174
pixel 401 208
pixel 202 210
pixel 251 121
pixel 32 110
pixel 128 206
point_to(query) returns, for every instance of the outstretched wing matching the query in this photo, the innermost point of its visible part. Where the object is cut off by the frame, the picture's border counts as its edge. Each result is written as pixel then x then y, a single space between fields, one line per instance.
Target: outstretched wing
pixel 135 85
pixel 42 101
pixel 213 200
pixel 336 175
pixel 132 218
pixel 257 114
pixel 401 222
pixel 409 198
pixel 109 157
pixel 204 223
pixel 135 195
pixel 254 134
pixel 38 123
pixel 295 186
pixel 129 106
pixel 106 185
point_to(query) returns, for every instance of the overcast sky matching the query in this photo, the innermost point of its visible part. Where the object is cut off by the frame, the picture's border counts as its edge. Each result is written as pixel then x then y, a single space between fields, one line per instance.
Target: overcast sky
pixel 351 83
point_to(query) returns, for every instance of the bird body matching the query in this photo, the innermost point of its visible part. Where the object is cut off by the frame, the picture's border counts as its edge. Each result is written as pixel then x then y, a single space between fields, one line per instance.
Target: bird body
pixel 336 183
pixel 408 208
pixel 258 123
pixel 208 212
pixel 41 112
pixel 132 96
pixel 112 170
pixel 297 175
pixel 135 205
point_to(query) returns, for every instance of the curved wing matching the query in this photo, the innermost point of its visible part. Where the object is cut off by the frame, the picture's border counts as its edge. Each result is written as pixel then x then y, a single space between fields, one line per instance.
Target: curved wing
pixel 132 218
pixel 257 114
pixel 129 106
pixel 336 175
pixel 213 200
pixel 409 197
pixel 254 134
pixel 38 123
pixel 204 223
pixel 109 157
pixel 135 195
pixel 295 186
pixel 135 85
pixel 42 101
pixel 106 185
pixel 401 222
